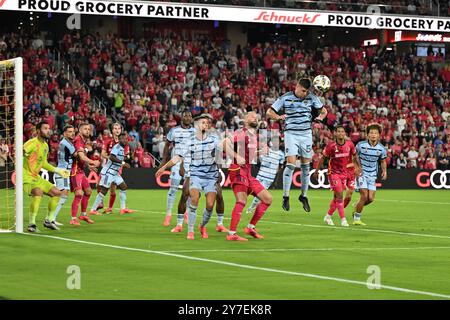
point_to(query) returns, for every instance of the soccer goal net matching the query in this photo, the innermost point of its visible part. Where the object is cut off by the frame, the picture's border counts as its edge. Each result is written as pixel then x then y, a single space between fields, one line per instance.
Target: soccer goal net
pixel 11 143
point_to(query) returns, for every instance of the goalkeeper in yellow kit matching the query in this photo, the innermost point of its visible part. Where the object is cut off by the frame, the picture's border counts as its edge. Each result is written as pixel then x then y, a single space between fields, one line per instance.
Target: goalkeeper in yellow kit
pixel 35 159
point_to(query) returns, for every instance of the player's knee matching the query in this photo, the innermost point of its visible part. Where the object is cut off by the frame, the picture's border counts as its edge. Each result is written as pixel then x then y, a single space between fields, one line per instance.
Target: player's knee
pixel 290 166
pixel 37 193
pixel 78 193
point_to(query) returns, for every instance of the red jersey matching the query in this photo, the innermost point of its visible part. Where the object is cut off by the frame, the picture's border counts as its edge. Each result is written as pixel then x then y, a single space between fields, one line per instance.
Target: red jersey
pixel 339 156
pixel 109 144
pixel 246 145
pixel 80 146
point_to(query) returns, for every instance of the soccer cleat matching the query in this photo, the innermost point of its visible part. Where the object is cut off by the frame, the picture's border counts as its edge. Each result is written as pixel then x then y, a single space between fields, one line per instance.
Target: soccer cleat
pixel 344 223
pixel 177 229
pixel 203 232
pixel 328 220
pixel 32 228
pixel 221 228
pixel 59 224
pixel 101 206
pixel 94 212
pixel 167 220
pixel 126 210
pixel 86 218
pixel 190 236
pixel 235 237
pixel 358 223
pixel 108 211
pixel 304 201
pixel 286 206
pixel 50 225
pixel 74 222
pixel 252 232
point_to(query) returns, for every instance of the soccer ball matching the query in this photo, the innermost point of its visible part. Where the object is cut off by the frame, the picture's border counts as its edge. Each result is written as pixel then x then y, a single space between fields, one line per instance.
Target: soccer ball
pixel 322 83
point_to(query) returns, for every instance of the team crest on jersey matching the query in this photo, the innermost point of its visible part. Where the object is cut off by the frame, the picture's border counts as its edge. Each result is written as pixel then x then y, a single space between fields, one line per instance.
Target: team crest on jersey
pixel 378 152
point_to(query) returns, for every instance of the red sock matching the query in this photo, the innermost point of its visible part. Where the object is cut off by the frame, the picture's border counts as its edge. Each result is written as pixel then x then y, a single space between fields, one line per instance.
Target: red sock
pixel 75 204
pixel 332 207
pixel 112 199
pixel 340 207
pixel 259 212
pixel 236 215
pixel 346 202
pixel 85 202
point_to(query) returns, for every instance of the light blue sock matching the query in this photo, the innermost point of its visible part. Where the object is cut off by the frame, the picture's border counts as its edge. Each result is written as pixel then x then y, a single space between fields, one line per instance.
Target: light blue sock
pixel 254 204
pixel 357 216
pixel 171 195
pixel 98 200
pixel 61 202
pixel 220 219
pixel 123 199
pixel 206 216
pixel 287 178
pixel 305 178
pixel 191 218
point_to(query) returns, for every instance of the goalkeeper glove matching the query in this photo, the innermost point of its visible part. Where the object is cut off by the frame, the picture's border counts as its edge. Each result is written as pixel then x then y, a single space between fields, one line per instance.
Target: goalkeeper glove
pixel 62 172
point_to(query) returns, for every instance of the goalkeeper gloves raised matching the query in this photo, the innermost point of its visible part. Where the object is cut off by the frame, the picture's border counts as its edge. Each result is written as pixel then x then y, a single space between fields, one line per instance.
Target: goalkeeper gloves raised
pixel 62 172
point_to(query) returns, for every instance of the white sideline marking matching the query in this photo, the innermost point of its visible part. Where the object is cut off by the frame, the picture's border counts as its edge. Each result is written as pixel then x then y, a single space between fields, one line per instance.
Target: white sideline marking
pixel 336 227
pixel 245 266
pixel 302 249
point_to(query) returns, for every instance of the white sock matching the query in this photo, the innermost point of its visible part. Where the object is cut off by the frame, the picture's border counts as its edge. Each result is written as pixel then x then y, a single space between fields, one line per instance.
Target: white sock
pixel 250 226
pixel 123 199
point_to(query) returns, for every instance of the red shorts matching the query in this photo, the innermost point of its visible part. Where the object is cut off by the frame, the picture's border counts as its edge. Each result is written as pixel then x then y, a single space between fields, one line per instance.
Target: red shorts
pixel 242 181
pixel 337 182
pixel 351 181
pixel 79 181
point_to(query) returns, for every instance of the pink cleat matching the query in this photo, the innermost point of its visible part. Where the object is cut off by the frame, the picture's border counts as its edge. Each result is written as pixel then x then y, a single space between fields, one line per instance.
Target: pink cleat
pixel 177 229
pixel 253 233
pixel 235 237
pixel 203 232
pixel 221 228
pixel 167 220
pixel 190 236
pixel 75 222
pixel 86 218
pixel 94 213
pixel 108 211
pixel 126 210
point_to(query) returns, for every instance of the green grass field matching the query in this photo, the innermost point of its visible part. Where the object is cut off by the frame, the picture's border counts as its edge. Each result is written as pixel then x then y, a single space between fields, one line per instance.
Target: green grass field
pixel 135 257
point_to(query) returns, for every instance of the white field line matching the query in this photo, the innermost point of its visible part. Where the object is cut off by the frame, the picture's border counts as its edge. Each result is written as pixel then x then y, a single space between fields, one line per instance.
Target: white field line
pixel 245 266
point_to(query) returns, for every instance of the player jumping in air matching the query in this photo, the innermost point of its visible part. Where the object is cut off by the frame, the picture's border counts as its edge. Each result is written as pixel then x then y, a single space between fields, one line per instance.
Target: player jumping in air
pixel 338 152
pixel 66 151
pixel 78 180
pixel 200 162
pixel 177 139
pixel 299 106
pixel 370 153
pixel 110 174
pixel 242 147
pixel 35 159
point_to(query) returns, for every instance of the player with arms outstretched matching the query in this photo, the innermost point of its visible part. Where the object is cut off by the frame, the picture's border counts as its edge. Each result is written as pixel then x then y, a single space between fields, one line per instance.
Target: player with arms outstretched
pixel 110 174
pixel 242 147
pixel 79 183
pixel 338 152
pixel 371 153
pixel 299 106
pixel 35 158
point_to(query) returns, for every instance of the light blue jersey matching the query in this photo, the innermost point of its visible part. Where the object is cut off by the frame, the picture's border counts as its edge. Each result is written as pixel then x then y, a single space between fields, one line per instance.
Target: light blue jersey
pixel 65 151
pixel 112 168
pixel 269 166
pixel 369 156
pixel 180 137
pixel 200 158
pixel 298 112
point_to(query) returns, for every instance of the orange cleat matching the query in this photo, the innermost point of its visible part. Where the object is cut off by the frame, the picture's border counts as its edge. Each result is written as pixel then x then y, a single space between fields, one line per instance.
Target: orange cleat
pixel 95 213
pixel 190 236
pixel 253 233
pixel 221 228
pixel 167 219
pixel 108 211
pixel 177 229
pixel 186 217
pixel 235 237
pixel 126 210
pixel 74 222
pixel 203 232
pixel 86 218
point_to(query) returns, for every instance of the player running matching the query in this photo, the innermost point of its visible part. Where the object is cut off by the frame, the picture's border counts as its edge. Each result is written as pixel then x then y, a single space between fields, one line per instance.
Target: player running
pixel 78 180
pixel 268 170
pixel 66 151
pixel 299 106
pixel 35 159
pixel 370 152
pixel 338 152
pixel 242 148
pixel 177 140
pixel 110 174
pixel 200 162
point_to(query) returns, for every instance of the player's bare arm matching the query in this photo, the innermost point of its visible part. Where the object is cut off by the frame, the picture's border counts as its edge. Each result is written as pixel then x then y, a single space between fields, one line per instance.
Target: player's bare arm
pixel 83 157
pixel 318 167
pixel 167 148
pixel 229 150
pixel 275 116
pixel 168 165
pixel 357 165
pixel 323 114
pixel 383 169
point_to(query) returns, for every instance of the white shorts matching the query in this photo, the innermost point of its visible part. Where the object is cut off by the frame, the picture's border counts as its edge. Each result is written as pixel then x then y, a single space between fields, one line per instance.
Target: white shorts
pixel 298 144
pixel 106 180
pixel 205 185
pixel 62 183
pixel 366 182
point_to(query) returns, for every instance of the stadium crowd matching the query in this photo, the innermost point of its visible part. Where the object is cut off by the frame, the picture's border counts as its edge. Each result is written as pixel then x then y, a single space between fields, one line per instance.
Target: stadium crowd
pixel 146 84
